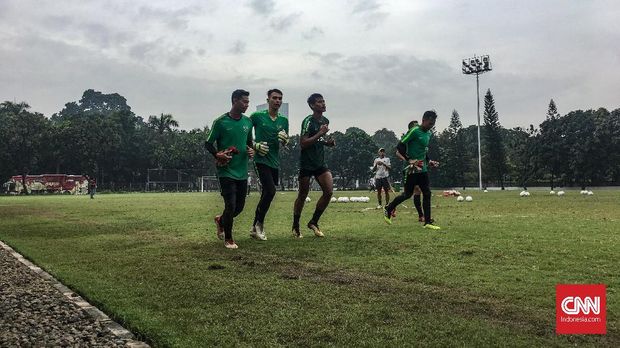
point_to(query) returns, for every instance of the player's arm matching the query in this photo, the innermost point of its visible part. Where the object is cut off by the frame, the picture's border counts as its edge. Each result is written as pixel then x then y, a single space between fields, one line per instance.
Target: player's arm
pixel 401 151
pixel 221 157
pixel 305 140
pixel 250 144
pixel 213 136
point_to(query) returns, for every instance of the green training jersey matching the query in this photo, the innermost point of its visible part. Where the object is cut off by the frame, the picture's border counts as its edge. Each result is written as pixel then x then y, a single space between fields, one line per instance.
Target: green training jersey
pixel 417 141
pixel 226 132
pixel 266 129
pixel 313 157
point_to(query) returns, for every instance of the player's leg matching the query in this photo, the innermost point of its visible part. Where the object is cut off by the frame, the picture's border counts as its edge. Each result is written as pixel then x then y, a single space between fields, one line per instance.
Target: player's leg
pixel 224 222
pixel 379 195
pixel 326 182
pixel 268 178
pixel 385 183
pixel 424 182
pixel 304 188
pixel 407 193
pixel 417 202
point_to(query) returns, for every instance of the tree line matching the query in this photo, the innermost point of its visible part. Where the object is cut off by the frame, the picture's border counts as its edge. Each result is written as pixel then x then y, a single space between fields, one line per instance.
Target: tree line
pixel 100 136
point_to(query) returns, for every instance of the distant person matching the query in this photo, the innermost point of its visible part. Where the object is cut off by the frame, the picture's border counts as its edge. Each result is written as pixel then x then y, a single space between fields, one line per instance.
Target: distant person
pixel 382 168
pixel 92 186
pixel 312 164
pixel 270 132
pixel 232 132
pixel 414 148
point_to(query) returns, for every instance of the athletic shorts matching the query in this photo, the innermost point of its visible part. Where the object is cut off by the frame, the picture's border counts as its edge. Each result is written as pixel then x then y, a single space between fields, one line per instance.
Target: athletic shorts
pixel 315 173
pixel 382 183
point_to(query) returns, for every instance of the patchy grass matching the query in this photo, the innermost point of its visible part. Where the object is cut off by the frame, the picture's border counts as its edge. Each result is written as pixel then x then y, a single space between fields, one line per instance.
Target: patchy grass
pixel 152 261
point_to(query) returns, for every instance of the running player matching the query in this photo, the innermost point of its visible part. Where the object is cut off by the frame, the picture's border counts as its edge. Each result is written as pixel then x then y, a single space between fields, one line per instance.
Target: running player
pixel 312 164
pixel 414 148
pixel 233 134
pixel 270 130
pixel 417 201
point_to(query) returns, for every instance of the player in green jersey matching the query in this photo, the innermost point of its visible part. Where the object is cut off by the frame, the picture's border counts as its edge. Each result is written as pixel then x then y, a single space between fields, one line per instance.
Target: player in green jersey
pixel 232 132
pixel 312 164
pixel 417 201
pixel 270 131
pixel 414 148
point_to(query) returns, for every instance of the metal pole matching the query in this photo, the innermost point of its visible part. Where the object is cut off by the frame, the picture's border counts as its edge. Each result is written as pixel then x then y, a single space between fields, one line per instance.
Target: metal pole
pixel 479 155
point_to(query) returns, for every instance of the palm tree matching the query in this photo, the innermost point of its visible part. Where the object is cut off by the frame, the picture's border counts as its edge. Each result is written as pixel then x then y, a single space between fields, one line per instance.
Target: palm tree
pixel 165 122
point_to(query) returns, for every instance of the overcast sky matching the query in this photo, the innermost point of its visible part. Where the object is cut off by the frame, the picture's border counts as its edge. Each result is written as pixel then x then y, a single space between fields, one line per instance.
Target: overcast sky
pixel 378 63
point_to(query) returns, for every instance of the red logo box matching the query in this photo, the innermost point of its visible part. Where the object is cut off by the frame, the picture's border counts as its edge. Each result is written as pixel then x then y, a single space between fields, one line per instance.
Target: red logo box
pixel 581 309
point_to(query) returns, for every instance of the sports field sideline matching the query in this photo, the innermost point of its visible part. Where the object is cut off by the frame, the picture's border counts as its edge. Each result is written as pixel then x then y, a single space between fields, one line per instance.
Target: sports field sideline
pixel 152 262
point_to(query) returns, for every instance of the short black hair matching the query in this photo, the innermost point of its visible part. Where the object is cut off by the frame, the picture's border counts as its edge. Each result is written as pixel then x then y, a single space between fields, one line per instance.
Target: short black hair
pixel 238 94
pixel 313 98
pixel 430 114
pixel 412 124
pixel 274 90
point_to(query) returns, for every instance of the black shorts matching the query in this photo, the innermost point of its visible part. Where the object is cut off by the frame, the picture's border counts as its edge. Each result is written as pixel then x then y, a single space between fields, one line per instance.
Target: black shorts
pixel 315 173
pixel 382 183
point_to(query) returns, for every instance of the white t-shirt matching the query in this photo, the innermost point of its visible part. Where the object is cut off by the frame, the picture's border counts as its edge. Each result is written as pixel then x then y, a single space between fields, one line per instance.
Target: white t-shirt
pixel 382 171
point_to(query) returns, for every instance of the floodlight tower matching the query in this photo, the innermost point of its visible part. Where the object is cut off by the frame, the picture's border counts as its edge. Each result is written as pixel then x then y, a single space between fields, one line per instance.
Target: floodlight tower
pixel 477 65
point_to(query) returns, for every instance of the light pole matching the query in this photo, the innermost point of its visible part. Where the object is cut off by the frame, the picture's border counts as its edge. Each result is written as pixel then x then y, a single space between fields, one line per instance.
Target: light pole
pixel 477 65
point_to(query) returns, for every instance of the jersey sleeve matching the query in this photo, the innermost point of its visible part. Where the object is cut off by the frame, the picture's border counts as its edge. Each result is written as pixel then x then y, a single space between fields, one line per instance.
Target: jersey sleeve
pixel 386 160
pixel 214 133
pixel 305 127
pixel 411 135
pixel 286 125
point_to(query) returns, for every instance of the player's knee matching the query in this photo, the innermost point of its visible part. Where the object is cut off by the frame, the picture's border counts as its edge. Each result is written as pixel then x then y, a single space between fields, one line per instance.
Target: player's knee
pixel 269 192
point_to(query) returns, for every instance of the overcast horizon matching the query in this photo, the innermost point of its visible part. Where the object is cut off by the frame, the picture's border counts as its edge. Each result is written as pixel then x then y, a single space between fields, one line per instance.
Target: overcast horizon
pixel 378 63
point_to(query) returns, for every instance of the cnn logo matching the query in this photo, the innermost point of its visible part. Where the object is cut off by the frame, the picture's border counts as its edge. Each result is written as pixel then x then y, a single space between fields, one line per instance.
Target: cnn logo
pixel 575 305
pixel 580 309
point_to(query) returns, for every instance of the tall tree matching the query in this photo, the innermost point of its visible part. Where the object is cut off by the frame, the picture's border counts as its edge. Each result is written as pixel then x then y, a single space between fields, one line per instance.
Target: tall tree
pixel 94 102
pixel 551 148
pixel 23 134
pixel 495 166
pixel 163 123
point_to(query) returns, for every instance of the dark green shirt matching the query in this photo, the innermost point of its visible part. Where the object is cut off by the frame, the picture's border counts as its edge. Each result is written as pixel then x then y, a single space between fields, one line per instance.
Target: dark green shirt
pixel 266 129
pixel 417 141
pixel 226 132
pixel 313 157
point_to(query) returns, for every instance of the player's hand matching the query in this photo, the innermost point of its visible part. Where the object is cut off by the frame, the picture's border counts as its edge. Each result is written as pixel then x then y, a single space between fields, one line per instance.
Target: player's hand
pixel 222 158
pixel 433 164
pixel 415 166
pixel 331 142
pixel 283 137
pixel 261 148
pixel 250 152
pixel 324 129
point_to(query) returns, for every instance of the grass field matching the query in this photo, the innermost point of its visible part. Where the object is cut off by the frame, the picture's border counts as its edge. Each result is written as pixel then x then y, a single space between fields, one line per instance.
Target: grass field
pixel 152 262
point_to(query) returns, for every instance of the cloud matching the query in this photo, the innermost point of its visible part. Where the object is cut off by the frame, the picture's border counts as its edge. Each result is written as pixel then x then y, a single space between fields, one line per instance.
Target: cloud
pixel 312 33
pixel 284 22
pixel 174 19
pixel 370 13
pixel 263 7
pixel 363 6
pixel 238 48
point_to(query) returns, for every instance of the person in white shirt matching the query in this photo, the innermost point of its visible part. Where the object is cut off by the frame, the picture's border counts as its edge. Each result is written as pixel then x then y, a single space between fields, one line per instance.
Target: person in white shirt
pixel 382 169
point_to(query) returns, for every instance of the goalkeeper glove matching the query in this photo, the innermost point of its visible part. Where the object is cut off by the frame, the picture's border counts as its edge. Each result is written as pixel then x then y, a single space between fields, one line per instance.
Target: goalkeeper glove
pixel 261 148
pixel 283 137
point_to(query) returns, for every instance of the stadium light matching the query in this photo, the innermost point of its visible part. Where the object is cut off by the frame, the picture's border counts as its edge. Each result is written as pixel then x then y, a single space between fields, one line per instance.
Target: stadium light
pixel 477 66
